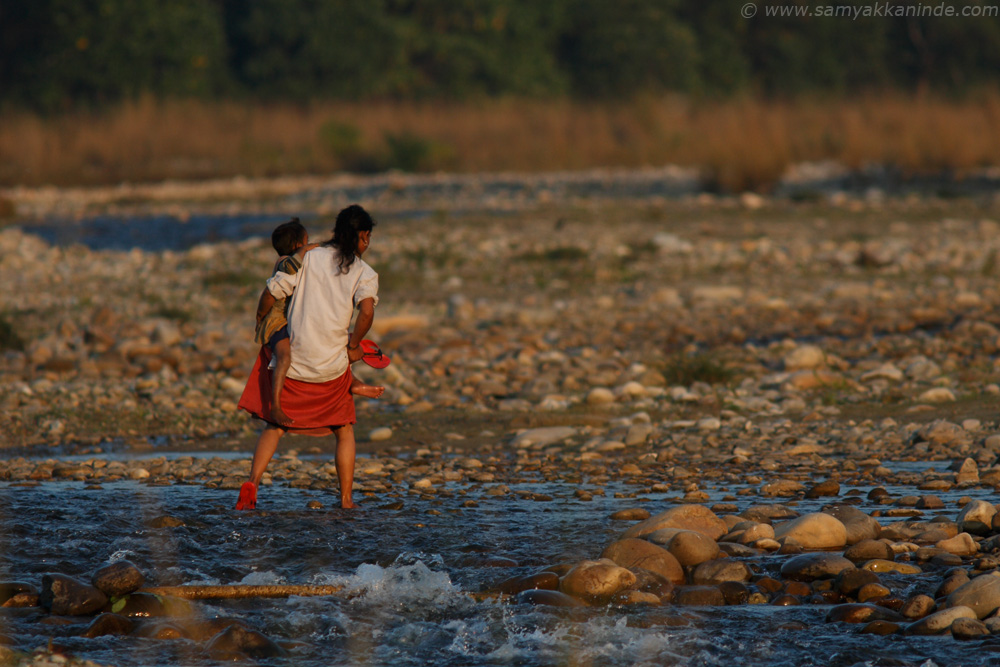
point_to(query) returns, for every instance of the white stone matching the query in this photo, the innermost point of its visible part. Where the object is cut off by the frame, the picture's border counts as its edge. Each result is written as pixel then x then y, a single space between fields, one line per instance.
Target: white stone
pixel 937 395
pixel 381 433
pixel 805 357
pixel 600 396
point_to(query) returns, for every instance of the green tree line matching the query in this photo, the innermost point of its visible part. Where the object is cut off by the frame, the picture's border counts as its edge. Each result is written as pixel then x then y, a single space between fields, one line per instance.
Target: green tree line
pixel 59 54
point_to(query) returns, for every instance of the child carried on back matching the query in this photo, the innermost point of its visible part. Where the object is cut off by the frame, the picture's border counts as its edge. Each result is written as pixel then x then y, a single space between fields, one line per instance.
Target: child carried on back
pixel 291 242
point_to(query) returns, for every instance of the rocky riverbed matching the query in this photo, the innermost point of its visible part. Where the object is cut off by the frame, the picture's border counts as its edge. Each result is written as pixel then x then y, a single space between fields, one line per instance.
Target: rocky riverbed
pixel 744 400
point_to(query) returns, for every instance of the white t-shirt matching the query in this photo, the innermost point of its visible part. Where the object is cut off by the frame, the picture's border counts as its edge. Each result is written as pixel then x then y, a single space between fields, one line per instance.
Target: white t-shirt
pixel 319 314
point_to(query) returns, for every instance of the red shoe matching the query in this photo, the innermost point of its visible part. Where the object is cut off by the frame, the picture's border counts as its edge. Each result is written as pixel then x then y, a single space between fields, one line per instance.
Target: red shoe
pixel 248 497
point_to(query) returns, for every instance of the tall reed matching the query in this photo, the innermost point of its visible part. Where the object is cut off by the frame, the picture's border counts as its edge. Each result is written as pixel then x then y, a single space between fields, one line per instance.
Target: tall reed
pixel 744 143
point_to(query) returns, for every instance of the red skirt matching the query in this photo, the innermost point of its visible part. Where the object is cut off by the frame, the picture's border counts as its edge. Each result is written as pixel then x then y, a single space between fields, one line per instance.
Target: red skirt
pixel 317 408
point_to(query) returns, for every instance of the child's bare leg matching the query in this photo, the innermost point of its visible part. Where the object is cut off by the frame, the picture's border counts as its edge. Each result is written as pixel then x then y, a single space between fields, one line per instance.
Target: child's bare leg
pixel 346 451
pixel 359 388
pixel 267 444
pixel 283 359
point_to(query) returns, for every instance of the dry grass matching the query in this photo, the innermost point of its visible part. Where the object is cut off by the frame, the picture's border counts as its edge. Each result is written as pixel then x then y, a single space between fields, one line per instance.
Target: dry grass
pixel 741 144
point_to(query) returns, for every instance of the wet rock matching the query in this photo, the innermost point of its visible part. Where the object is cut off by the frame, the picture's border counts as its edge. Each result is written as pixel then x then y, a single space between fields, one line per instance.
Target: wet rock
pixel 968 473
pixel 960 545
pixel 635 597
pixel 108 624
pixel 814 531
pixel 597 580
pixel 865 550
pixel 881 628
pixel 734 592
pixel 850 581
pixel 166 521
pixel 977 517
pixel 859 526
pixel 873 591
pixel 686 517
pixel 141 605
pixel 66 596
pixel 118 579
pixel 717 571
pixel 952 583
pixel 809 567
pixel 968 628
pixel 939 621
pixel 650 582
pixel 981 595
pixel 9 589
pixel 699 596
pixel 781 488
pixel 691 548
pixel 631 514
pixel 634 553
pixel 549 598
pixel 160 630
pixel 239 640
pixel 879 565
pixel 542 580
pixel 856 612
pixel 828 487
pixel 918 606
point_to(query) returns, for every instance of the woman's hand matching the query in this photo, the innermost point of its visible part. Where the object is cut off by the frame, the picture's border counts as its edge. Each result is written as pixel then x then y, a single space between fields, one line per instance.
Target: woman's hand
pixel 354 354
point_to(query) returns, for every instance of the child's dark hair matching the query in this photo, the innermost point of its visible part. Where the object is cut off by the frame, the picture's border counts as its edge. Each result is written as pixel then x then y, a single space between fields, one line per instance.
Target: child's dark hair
pixel 350 223
pixel 288 236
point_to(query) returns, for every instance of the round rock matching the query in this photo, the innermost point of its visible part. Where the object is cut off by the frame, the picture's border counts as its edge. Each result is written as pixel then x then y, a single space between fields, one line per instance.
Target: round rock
pixel 118 579
pixel 981 595
pixel 596 580
pixel 809 567
pixel 686 517
pixel 636 553
pixel 814 531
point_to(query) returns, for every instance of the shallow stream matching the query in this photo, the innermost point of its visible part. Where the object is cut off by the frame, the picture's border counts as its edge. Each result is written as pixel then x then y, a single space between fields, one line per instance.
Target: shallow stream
pixel 406 573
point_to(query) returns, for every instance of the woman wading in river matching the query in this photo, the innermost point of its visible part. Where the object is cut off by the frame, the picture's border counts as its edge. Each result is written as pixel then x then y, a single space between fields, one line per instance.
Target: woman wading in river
pixel 332 282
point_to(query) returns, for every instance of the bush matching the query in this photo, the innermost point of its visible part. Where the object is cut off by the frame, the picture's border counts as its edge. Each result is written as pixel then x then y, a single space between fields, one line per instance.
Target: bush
pixel 685 370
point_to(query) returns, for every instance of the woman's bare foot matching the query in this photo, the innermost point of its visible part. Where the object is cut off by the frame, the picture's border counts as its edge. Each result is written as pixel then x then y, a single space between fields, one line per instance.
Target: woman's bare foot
pixel 348 504
pixel 279 417
pixel 369 390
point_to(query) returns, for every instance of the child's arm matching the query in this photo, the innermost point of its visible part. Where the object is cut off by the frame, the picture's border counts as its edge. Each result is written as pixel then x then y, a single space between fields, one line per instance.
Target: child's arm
pixel 306 248
pixel 265 304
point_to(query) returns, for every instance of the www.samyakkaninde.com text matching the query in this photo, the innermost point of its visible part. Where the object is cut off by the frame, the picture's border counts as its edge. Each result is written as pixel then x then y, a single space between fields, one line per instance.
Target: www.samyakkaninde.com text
pixel 880 10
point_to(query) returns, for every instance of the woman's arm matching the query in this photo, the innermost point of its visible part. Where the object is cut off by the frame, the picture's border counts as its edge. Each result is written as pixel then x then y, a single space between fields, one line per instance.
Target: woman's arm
pixel 366 315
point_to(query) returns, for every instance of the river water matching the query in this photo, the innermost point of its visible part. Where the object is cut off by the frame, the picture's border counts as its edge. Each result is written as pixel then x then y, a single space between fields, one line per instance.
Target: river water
pixel 406 573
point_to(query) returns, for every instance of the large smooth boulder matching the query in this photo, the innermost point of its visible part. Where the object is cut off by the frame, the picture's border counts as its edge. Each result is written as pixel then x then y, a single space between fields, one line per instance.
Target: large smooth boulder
pixel 981 594
pixel 809 567
pixel 960 545
pixel 238 639
pixel 977 517
pixel 939 621
pixel 860 526
pixel 108 624
pixel 118 579
pixel 596 580
pixel 66 596
pixel 868 550
pixel 691 548
pixel 814 531
pixel 718 571
pixel 687 517
pixel 634 553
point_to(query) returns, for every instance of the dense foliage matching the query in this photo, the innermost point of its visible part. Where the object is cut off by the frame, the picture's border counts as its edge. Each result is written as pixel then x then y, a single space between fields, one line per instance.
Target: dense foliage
pixel 56 54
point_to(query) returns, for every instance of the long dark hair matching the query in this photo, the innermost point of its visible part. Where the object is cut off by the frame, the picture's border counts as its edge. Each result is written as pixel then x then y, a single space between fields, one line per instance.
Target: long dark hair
pixel 350 223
